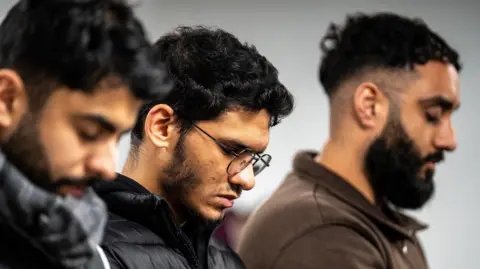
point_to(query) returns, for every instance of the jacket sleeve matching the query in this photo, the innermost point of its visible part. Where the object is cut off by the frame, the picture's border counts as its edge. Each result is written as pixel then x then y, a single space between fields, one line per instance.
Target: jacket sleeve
pixel 330 247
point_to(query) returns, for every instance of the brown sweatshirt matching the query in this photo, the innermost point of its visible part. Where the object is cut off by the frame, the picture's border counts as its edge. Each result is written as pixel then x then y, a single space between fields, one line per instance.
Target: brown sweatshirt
pixel 315 219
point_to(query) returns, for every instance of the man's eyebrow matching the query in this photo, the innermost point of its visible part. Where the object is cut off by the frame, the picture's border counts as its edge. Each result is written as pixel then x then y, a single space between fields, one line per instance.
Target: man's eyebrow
pixel 239 145
pixel 440 101
pixel 99 119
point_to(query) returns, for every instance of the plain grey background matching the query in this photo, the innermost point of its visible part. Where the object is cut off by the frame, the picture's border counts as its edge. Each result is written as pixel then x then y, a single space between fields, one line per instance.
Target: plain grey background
pixel 288 33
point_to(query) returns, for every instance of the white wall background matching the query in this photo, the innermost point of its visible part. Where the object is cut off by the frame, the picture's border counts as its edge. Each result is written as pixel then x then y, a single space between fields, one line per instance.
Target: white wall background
pixel 288 33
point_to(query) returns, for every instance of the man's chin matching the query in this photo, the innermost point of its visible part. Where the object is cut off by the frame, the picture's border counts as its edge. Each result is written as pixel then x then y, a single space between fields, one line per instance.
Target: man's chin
pixel 212 216
pixel 413 200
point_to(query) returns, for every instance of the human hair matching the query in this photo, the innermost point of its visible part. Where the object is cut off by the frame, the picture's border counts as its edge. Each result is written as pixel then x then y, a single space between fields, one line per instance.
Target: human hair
pixel 213 72
pixel 382 41
pixel 77 44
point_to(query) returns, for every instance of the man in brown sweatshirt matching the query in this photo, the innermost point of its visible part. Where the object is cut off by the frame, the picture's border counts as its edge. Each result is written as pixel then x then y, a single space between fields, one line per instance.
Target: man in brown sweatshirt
pixel 392 84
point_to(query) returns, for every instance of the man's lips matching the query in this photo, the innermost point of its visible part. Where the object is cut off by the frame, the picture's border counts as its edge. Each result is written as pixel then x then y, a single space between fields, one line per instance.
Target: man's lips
pixel 75 191
pixel 430 165
pixel 226 200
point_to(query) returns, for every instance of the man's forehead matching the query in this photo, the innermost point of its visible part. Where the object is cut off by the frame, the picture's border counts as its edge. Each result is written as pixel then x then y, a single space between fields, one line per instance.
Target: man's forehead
pixel 250 128
pixel 243 117
pixel 115 106
pixel 436 80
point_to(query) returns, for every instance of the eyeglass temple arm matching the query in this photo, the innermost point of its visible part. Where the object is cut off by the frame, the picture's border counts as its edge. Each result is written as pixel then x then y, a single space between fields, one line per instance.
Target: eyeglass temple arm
pixel 225 148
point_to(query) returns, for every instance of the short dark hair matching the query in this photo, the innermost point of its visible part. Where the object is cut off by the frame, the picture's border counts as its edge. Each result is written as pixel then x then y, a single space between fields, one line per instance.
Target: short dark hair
pixel 379 41
pixel 77 44
pixel 214 72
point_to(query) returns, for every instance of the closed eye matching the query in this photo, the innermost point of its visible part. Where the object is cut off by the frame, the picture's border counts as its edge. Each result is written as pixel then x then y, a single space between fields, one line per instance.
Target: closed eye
pixel 432 118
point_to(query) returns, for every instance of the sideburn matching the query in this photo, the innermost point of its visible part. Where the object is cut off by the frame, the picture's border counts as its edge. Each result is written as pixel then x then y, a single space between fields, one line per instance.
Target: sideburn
pixel 179 181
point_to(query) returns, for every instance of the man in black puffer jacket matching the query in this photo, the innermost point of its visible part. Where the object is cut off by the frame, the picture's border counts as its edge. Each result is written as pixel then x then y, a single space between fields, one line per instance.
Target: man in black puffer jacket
pixel 142 233
pixel 73 74
pixel 193 154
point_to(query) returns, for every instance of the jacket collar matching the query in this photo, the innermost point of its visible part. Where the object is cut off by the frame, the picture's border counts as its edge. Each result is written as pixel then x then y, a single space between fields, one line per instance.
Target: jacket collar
pixel 130 200
pixel 65 229
pixel 383 215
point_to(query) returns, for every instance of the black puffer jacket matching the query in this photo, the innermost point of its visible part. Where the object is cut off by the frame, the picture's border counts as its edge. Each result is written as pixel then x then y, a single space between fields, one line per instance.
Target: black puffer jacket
pixel 16 252
pixel 141 233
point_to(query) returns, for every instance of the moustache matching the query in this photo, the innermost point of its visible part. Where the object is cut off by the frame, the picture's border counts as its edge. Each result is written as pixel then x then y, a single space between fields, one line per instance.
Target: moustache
pixel 75 182
pixel 434 157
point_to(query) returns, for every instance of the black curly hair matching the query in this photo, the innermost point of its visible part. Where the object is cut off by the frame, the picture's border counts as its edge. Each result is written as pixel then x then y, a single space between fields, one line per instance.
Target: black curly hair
pixel 77 44
pixel 379 41
pixel 214 72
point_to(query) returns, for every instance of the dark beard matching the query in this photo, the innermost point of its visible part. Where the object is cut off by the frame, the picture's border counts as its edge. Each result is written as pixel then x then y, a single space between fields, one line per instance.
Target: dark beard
pixel 393 164
pixel 179 181
pixel 24 150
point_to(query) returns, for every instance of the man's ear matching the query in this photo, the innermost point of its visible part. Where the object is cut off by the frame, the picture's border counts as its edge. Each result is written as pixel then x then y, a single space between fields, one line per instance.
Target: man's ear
pixel 13 101
pixel 160 125
pixel 370 105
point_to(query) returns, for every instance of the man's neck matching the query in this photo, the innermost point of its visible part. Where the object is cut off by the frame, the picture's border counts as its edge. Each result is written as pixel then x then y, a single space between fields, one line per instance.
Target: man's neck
pixel 144 176
pixel 348 164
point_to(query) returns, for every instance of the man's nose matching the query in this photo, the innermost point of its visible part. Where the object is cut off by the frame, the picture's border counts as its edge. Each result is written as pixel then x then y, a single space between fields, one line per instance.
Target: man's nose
pixel 445 139
pixel 102 164
pixel 245 178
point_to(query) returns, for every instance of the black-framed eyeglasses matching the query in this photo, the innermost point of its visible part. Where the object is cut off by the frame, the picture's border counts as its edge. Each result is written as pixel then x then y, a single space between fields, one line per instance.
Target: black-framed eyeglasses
pixel 242 159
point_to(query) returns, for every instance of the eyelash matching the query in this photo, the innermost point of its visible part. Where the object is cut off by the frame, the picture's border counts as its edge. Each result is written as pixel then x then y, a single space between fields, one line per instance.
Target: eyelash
pixel 431 118
pixel 88 137
pixel 230 150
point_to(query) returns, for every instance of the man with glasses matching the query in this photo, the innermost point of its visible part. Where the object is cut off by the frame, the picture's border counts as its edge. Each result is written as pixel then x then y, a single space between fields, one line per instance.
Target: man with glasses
pixel 194 153
pixel 241 160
